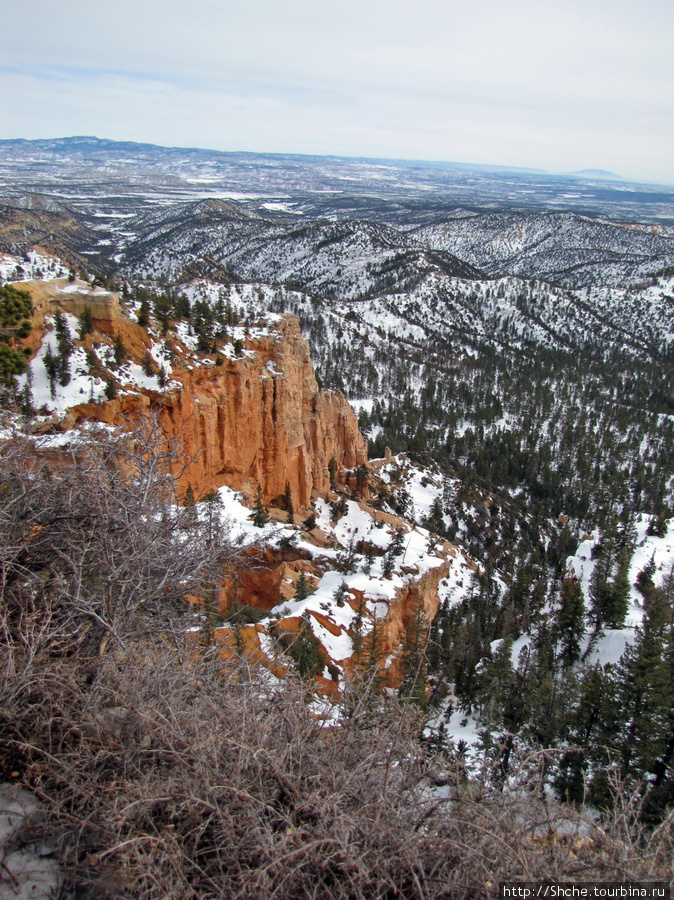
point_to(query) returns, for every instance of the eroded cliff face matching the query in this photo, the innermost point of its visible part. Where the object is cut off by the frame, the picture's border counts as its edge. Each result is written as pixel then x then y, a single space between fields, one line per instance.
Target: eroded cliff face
pixel 255 419
pixel 262 420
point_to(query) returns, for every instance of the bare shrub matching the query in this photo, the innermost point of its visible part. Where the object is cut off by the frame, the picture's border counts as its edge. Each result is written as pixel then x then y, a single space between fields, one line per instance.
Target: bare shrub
pixel 166 772
pixel 83 547
pixel 169 776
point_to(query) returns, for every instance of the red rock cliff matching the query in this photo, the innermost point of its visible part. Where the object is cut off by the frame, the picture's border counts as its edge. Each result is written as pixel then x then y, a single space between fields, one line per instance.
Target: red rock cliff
pixel 257 419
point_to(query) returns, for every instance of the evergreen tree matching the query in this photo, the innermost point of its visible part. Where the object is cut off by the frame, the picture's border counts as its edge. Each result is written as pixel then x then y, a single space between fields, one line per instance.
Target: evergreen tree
pixel 332 472
pixel 356 630
pixel 288 504
pixel 110 388
pixel 50 365
pixel 618 596
pixel 212 500
pixel 397 545
pixel 304 650
pixel 143 315
pixel 148 364
pixel 121 352
pixel 65 347
pixel 571 620
pixel 497 688
pixel 86 322
pixel 302 589
pixel 388 565
pixel 260 513
pixel 27 394
pixel 362 474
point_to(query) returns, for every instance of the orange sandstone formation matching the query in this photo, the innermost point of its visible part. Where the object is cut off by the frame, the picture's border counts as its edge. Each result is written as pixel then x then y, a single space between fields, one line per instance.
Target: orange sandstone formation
pixel 256 419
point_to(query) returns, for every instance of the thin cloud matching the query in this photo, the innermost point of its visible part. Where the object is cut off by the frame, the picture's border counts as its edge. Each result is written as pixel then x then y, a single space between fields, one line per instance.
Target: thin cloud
pixel 557 85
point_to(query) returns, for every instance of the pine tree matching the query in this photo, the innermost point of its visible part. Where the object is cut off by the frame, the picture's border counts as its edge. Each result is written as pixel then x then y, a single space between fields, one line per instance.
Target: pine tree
pixel 65 346
pixel 260 513
pixel 143 316
pixel 362 474
pixel 639 717
pixel 121 352
pixel 497 686
pixel 397 545
pixel 304 650
pixel 212 500
pixel 571 620
pixel 148 364
pixel 332 472
pixel 86 322
pixel 50 365
pixel 302 589
pixel 110 388
pixel 27 394
pixel 288 504
pixel 618 595
pixel 388 565
pixel 356 629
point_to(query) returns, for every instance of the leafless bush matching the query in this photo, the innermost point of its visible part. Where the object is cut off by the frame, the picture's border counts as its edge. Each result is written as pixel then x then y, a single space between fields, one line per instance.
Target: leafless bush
pixel 85 546
pixel 166 772
pixel 164 776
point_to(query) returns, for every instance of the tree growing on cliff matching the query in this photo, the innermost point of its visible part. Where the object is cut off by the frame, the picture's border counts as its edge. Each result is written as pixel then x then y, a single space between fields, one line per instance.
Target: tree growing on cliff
pixel 332 473
pixel 120 350
pixel 362 475
pixel 143 315
pixel 288 504
pixel 260 513
pixel 86 322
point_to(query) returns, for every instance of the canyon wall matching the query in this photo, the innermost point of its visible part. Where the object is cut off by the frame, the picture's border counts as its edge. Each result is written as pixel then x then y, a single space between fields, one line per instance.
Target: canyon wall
pixel 255 419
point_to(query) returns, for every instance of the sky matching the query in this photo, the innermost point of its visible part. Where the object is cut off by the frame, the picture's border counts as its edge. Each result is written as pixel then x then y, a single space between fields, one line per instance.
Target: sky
pixel 559 86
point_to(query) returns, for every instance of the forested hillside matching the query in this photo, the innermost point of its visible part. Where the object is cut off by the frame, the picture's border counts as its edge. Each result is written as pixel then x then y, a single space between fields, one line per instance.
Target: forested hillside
pixel 480 617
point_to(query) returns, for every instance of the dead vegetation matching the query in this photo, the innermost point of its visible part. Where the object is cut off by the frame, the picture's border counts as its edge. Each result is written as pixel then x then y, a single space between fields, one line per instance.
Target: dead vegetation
pixel 166 772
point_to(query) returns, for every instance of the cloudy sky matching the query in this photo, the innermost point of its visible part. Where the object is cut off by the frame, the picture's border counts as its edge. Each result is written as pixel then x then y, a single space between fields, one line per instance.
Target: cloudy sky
pixel 555 84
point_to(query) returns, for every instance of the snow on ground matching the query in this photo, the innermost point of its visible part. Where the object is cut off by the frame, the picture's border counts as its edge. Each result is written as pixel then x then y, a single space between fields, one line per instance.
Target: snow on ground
pixel 581 566
pixel 458 583
pixel 611 643
pixel 661 550
pixel 34 265
pixel 423 485
pixel 608 648
pixel 359 405
pixel 82 387
pixel 27 871
pixel 520 650
pixel 235 516
pixel 360 579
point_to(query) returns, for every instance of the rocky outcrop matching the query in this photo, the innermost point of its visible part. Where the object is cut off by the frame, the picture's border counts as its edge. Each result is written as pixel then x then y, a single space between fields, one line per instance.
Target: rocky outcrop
pixel 262 420
pixel 418 596
pixel 255 419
